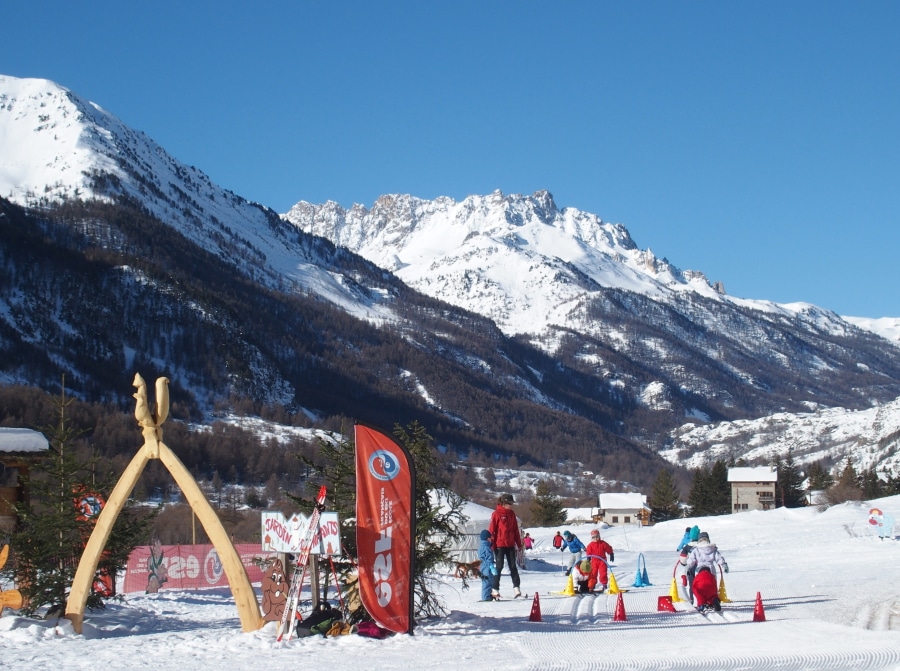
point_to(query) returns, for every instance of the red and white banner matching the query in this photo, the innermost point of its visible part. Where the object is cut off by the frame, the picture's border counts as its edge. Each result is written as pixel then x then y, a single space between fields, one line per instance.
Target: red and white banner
pixel 186 566
pixel 385 522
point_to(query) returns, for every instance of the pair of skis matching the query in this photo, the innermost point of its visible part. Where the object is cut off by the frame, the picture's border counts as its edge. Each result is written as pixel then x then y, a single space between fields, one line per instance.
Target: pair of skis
pixel 288 618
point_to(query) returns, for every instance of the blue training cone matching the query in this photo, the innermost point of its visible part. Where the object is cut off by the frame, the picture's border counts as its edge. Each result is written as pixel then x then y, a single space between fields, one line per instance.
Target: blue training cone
pixel 640 577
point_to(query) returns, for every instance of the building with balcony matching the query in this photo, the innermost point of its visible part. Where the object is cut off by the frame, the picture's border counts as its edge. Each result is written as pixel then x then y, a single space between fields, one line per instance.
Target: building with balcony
pixel 752 488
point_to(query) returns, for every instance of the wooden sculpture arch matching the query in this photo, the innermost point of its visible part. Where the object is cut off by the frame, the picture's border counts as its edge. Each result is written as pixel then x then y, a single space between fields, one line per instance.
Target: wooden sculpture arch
pixel 154 448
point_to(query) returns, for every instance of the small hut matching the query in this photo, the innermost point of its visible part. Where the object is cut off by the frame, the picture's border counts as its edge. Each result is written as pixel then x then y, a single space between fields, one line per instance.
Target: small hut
pixel 19 448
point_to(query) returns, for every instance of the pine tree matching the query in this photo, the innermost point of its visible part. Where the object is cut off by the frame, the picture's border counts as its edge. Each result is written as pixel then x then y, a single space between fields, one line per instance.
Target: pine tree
pixel 700 496
pixel 50 535
pixel 546 508
pixel 665 498
pixel 789 482
pixel 819 478
pixel 846 488
pixel 720 490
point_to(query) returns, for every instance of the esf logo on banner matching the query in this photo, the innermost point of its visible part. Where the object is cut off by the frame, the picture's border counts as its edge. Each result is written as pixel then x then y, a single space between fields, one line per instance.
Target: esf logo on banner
pixel 383 465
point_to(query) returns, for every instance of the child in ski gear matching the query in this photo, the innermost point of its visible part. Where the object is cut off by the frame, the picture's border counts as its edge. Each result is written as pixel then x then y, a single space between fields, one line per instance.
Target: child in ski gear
pixel 598 550
pixel 581 573
pixel 557 540
pixel 488 569
pixel 505 541
pixel 701 567
pixel 684 540
pixel 528 542
pixel 573 545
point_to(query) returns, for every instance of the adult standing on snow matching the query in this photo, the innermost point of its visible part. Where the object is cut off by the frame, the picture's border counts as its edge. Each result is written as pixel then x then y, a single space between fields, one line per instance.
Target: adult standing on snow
pixel 557 540
pixel 597 551
pixel 506 541
pixel 701 563
pixel 572 543
pixel 487 567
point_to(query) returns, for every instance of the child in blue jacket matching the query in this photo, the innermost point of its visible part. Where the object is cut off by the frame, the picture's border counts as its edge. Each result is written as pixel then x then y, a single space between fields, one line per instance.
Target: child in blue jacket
pixel 487 568
pixel 572 543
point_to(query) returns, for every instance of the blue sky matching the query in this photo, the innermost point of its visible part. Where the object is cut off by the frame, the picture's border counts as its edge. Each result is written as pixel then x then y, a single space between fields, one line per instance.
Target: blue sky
pixel 758 142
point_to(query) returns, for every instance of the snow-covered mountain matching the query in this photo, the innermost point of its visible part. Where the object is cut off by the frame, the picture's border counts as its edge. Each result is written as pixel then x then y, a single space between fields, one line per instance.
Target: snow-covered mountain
pixel 519 260
pixel 871 437
pixel 58 146
pixel 638 345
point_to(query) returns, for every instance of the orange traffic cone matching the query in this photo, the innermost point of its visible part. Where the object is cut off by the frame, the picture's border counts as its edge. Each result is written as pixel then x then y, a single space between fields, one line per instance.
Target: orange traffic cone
pixel 664 604
pixel 619 615
pixel 759 613
pixel 535 610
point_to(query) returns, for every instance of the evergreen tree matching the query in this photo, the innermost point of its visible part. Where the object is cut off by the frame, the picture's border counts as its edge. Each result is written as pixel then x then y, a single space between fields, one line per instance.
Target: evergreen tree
pixel 789 482
pixel 819 477
pixel 665 498
pixel 50 536
pixel 871 485
pixel 700 496
pixel 720 490
pixel 546 508
pixel 846 488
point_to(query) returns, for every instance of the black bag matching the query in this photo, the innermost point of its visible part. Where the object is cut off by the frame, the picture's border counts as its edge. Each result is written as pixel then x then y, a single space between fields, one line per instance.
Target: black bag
pixel 322 612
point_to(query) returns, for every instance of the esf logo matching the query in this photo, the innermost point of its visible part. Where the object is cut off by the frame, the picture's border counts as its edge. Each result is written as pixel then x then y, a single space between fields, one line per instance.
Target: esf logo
pixel 383 465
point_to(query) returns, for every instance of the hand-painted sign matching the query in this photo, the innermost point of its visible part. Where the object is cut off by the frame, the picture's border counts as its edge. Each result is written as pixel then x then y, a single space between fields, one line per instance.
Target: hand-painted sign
pixel 286 535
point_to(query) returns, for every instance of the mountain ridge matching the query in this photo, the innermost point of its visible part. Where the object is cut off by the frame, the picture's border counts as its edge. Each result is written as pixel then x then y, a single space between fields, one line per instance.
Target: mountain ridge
pixel 588 325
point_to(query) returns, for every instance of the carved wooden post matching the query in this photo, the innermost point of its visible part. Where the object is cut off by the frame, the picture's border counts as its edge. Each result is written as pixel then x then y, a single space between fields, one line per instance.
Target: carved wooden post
pixel 154 448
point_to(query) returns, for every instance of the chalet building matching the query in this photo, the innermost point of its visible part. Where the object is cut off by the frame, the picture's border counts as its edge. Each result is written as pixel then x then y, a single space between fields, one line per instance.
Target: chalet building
pixel 19 448
pixel 623 508
pixel 752 488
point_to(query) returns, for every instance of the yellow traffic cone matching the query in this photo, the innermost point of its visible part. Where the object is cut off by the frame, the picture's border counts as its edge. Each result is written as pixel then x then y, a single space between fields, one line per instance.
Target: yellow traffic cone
pixel 673 592
pixel 723 595
pixel 613 585
pixel 570 588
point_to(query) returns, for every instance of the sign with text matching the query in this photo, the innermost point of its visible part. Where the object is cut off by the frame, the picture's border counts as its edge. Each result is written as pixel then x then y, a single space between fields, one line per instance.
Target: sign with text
pixel 186 566
pixel 280 534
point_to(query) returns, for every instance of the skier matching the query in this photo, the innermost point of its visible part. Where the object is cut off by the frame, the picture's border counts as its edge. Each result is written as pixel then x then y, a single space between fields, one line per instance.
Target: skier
pixel 685 539
pixel 572 543
pixel 598 550
pixel 701 564
pixel 488 568
pixel 506 541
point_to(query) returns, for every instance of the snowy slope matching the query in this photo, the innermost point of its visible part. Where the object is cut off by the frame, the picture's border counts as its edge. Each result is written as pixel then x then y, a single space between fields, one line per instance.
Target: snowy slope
pixel 826 585
pixel 870 437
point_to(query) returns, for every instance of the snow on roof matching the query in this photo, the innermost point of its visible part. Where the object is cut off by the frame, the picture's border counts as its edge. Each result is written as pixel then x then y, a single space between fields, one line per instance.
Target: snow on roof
pixel 22 440
pixel 623 501
pixel 752 474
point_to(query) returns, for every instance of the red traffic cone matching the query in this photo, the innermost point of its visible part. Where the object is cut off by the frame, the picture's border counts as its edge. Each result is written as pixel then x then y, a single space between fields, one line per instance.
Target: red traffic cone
pixel 664 604
pixel 619 615
pixel 759 613
pixel 535 610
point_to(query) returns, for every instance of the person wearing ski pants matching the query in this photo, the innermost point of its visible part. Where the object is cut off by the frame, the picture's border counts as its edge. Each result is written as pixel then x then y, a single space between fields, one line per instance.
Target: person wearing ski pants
pixel 598 550
pixel 506 541
pixel 702 564
pixel 573 544
pixel 488 568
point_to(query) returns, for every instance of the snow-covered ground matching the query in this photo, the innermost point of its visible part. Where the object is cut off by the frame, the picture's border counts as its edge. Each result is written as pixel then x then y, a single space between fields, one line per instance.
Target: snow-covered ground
pixel 830 589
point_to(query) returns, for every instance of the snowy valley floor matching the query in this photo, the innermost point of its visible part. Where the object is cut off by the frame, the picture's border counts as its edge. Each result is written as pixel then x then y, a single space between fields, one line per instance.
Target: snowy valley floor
pixel 829 586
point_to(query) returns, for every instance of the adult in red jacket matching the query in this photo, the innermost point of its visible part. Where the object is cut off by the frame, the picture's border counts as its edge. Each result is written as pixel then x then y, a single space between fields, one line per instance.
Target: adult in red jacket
pixel 505 540
pixel 598 550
